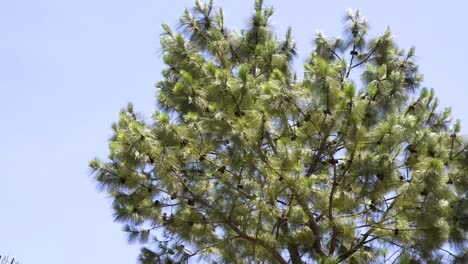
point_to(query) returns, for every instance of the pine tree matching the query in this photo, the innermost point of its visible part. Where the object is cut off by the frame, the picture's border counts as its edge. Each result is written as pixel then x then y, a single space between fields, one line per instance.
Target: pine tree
pixel 244 162
pixel 7 260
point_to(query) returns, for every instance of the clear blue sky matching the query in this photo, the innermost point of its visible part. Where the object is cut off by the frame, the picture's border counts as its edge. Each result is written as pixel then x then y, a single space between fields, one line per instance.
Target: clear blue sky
pixel 68 66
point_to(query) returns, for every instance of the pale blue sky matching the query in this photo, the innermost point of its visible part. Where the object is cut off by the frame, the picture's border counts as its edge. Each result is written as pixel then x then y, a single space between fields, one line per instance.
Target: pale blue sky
pixel 68 66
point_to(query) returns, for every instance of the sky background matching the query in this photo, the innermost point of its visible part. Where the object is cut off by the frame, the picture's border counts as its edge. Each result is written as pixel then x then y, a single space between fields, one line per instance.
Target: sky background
pixel 68 66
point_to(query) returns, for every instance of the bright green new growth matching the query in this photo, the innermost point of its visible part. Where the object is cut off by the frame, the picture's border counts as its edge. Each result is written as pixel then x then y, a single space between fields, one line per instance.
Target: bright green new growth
pixel 246 163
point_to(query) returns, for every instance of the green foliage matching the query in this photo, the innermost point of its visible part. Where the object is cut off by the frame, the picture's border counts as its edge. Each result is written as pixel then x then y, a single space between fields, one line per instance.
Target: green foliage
pixel 245 163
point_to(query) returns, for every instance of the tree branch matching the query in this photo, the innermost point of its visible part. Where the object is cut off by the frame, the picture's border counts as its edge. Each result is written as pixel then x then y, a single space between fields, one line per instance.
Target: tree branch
pixel 355 248
pixel 313 225
pixel 243 235
pixel 368 56
pixel 293 249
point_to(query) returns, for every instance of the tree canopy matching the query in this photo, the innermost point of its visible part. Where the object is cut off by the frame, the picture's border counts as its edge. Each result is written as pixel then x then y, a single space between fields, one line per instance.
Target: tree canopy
pixel 244 162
